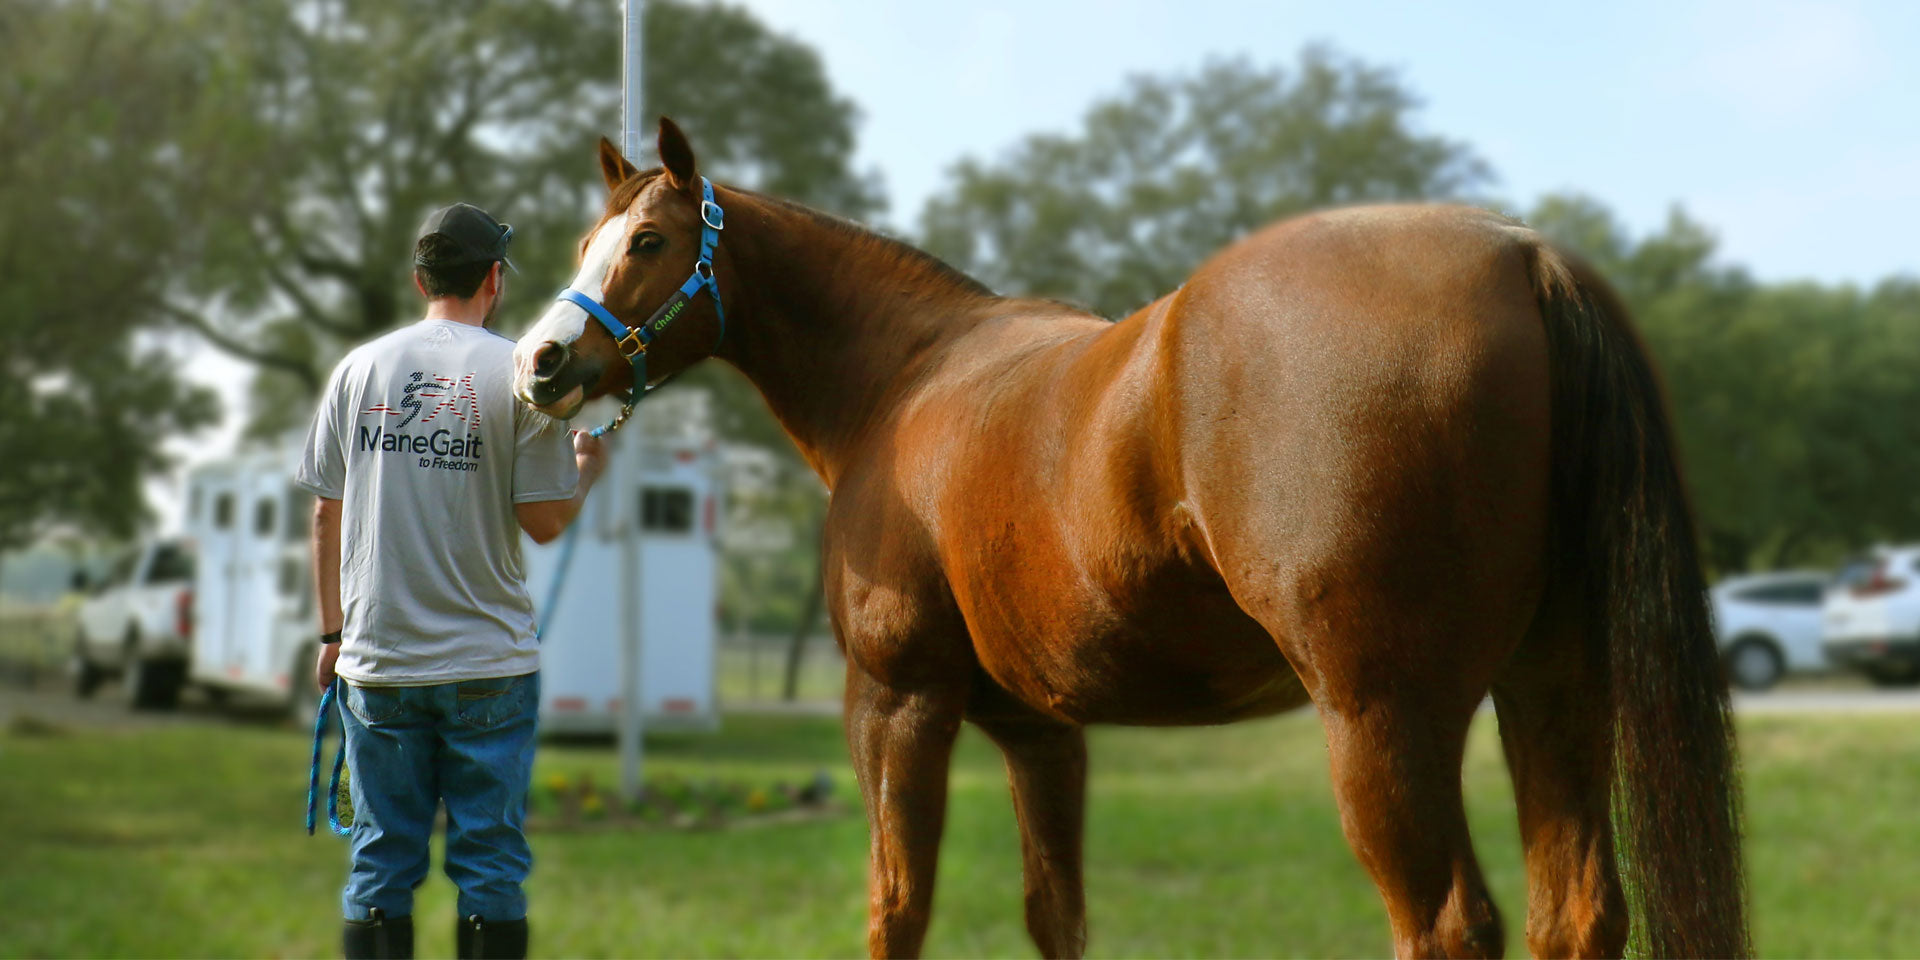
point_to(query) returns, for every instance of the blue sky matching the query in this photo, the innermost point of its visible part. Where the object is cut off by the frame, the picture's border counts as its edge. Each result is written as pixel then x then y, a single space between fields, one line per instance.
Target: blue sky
pixel 1788 128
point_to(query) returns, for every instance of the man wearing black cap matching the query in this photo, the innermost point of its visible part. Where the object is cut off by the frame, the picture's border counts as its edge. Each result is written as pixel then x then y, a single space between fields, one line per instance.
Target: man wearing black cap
pixel 426 470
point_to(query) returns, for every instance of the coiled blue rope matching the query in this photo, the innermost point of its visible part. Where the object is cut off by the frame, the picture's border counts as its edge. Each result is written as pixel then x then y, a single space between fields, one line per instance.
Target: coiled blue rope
pixel 313 770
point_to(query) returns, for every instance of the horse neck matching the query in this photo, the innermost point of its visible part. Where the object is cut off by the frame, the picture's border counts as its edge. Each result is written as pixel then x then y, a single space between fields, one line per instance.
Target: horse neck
pixel 833 322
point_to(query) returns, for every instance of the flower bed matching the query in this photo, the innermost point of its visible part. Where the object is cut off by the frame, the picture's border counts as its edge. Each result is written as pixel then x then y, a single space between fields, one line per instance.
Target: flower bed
pixel 560 803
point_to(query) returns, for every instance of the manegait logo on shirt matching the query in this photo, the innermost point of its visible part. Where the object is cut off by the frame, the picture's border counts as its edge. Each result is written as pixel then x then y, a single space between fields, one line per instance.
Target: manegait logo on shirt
pixel 450 396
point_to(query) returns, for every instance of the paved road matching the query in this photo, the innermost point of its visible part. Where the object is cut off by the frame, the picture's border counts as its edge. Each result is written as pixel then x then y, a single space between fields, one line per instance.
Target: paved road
pixel 50 702
pixel 1830 700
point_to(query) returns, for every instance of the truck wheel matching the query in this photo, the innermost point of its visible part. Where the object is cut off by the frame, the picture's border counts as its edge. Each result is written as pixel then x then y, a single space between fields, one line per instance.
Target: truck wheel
pixel 152 683
pixel 1754 664
pixel 86 674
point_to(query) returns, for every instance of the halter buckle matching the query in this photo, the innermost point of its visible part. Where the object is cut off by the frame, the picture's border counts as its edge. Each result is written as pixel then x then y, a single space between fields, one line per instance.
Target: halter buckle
pixel 631 345
pixel 712 215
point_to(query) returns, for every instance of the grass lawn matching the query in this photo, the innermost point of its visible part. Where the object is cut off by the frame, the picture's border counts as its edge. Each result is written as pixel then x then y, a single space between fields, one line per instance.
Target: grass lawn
pixel 1220 842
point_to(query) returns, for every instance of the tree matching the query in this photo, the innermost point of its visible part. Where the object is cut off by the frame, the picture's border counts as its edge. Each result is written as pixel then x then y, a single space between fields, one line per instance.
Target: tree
pixel 322 131
pixel 254 174
pixel 757 105
pixel 1173 169
pixel 86 397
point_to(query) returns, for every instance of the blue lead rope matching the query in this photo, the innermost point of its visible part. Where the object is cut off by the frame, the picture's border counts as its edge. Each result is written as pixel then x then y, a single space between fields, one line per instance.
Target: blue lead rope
pixel 571 537
pixel 313 771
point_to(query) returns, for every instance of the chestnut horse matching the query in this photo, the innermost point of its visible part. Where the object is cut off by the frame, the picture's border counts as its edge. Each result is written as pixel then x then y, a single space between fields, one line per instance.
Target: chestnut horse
pixel 1383 461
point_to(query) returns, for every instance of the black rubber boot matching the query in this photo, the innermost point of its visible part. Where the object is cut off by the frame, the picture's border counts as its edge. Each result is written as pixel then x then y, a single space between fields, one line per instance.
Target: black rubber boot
pixel 378 937
pixel 478 939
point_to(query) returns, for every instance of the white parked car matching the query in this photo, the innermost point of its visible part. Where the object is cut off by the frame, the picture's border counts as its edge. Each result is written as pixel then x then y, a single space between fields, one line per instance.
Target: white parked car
pixel 1873 615
pixel 137 623
pixel 1769 624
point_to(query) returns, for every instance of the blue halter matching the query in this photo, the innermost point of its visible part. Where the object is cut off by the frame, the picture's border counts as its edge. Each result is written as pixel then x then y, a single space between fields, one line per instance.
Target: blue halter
pixel 633 341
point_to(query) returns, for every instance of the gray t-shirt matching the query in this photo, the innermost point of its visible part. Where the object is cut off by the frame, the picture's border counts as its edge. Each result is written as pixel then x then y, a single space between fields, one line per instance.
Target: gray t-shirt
pixel 420 437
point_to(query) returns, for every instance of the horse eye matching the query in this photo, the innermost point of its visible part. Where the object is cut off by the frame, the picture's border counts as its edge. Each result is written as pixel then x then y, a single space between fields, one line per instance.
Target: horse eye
pixel 646 242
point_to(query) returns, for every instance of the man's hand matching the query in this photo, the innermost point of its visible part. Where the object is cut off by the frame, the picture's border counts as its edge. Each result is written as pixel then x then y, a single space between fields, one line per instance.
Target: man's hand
pixel 323 668
pixel 590 455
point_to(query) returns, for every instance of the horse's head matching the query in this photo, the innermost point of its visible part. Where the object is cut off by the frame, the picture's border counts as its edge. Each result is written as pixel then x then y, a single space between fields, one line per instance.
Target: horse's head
pixel 633 261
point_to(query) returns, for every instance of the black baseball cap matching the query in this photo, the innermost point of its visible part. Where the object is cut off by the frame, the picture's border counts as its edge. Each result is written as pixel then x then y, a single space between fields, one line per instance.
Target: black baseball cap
pixel 475 235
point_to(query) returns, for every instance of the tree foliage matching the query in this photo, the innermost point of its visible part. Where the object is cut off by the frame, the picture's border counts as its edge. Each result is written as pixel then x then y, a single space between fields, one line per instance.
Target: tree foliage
pixel 1172 169
pixel 318 133
pixel 85 397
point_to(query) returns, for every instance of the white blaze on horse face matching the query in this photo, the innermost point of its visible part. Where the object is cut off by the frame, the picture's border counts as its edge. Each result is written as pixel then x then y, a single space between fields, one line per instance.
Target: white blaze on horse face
pixel 565 322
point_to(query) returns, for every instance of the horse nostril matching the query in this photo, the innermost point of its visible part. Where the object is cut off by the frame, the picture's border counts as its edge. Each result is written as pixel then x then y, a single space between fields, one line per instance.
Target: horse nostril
pixel 548 360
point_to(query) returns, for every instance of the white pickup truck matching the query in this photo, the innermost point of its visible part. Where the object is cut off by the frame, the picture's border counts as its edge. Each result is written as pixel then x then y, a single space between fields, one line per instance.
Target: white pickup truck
pixel 137 623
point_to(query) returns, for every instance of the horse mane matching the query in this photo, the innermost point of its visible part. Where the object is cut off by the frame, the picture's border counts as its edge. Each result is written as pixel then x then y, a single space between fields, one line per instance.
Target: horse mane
pixel 890 252
pixel 885 252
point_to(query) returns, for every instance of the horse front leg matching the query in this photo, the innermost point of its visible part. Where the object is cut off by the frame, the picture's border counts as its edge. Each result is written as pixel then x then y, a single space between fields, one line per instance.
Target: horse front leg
pixel 901 741
pixel 1047 769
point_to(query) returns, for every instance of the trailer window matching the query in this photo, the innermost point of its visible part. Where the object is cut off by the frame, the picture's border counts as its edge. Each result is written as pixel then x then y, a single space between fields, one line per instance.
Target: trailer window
pixel 666 509
pixel 223 511
pixel 263 518
pixel 289 577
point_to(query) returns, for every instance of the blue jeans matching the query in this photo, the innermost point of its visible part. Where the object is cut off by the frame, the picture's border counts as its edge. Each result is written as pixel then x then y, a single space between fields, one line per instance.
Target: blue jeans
pixel 409 748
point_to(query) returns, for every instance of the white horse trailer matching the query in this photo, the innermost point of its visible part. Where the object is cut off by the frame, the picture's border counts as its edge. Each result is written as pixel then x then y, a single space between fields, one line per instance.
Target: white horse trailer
pixel 253 621
pixel 664 490
pixel 254 626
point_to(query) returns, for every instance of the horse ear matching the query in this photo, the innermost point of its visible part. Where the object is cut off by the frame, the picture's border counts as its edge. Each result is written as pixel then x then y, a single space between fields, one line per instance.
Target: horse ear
pixel 676 155
pixel 614 168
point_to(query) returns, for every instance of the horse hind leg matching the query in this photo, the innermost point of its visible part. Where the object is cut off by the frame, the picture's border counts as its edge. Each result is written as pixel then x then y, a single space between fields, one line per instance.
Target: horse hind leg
pixel 1396 775
pixel 1396 683
pixel 1555 726
pixel 1047 769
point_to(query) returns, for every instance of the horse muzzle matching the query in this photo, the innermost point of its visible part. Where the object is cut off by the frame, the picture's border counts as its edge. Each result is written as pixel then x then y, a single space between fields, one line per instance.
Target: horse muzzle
pixel 552 379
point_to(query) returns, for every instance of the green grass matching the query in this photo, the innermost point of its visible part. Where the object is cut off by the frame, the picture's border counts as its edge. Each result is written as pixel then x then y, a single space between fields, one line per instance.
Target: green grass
pixel 1218 842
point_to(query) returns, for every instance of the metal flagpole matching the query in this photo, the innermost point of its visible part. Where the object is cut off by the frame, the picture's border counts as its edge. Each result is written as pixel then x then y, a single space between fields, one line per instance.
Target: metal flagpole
pixel 632 125
pixel 631 696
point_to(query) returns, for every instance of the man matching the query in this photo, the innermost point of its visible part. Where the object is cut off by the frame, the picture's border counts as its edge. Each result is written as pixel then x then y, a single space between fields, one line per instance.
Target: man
pixel 426 469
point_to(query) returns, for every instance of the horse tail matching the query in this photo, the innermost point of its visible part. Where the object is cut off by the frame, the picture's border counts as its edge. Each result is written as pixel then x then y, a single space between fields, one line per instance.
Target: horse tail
pixel 1624 539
